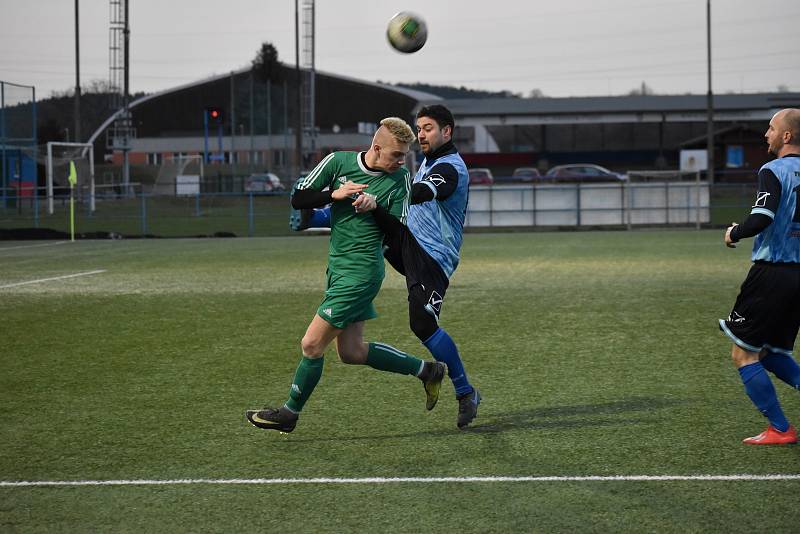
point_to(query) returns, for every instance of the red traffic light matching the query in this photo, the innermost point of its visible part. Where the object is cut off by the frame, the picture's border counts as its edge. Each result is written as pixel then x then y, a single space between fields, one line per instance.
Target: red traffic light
pixel 214 114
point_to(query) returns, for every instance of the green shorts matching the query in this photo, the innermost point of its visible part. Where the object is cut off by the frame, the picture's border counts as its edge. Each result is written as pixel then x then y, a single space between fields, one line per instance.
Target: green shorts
pixel 348 300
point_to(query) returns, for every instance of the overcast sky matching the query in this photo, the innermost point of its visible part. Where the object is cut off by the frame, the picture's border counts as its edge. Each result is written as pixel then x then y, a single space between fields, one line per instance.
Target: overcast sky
pixel 575 48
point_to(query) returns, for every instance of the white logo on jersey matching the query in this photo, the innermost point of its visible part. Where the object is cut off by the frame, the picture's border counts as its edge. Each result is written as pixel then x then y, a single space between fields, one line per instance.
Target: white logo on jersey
pixel 328 311
pixel 436 179
pixel 342 179
pixel 296 389
pixel 761 199
pixel 735 317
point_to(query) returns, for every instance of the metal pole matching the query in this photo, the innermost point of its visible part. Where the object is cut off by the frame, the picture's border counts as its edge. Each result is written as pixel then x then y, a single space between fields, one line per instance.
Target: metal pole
pixel 628 203
pixel 49 179
pixel 77 77
pixel 3 140
pixel 233 129
pixel 126 170
pixel 92 204
pixel 267 164
pixel 709 101
pixel 35 167
pixel 298 134
pixel 286 127
pixel 205 135
pixel 697 199
pixel 312 80
pixel 251 223
pixel 252 123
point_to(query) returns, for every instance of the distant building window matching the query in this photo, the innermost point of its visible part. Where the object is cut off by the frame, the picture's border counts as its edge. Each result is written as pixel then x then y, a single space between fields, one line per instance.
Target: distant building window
pixel 155 158
pixel 278 158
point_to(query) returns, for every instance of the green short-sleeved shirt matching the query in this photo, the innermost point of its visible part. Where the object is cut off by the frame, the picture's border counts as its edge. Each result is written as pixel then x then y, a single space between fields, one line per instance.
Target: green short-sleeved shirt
pixel 355 257
pixel 356 241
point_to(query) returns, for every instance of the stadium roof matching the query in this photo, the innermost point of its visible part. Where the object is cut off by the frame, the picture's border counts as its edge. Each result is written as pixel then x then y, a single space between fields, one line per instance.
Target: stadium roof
pixel 411 93
pixel 607 104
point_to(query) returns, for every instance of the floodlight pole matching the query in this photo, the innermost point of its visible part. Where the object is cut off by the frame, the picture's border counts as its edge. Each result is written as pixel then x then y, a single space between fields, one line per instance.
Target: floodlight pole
pixel 709 101
pixel 298 134
pixel 77 76
pixel 126 165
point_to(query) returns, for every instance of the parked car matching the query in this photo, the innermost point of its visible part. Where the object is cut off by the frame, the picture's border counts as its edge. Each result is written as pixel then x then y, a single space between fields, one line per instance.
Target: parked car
pixel 584 172
pixel 263 183
pixel 525 174
pixel 480 176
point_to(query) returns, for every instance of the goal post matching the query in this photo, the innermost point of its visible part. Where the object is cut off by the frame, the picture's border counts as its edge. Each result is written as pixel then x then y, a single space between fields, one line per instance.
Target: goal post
pixel 180 175
pixel 59 156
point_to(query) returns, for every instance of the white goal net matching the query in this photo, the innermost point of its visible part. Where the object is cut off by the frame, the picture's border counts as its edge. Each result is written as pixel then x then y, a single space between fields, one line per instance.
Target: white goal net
pixel 179 175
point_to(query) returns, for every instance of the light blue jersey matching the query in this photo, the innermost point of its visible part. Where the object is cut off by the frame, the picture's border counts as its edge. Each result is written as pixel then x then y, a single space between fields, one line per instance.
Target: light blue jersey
pixel 780 241
pixel 438 225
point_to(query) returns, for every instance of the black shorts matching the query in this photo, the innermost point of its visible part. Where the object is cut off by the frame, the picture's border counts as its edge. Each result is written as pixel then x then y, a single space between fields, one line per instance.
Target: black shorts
pixel 767 310
pixel 408 258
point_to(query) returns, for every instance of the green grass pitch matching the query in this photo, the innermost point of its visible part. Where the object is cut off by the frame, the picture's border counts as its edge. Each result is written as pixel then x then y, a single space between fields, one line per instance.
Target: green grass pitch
pixel 597 353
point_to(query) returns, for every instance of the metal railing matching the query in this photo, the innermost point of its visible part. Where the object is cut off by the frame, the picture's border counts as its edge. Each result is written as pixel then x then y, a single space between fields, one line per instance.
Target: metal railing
pixel 256 214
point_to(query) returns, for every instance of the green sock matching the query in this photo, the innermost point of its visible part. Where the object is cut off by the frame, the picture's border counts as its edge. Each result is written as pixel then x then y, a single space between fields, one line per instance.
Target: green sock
pixel 387 358
pixel 305 380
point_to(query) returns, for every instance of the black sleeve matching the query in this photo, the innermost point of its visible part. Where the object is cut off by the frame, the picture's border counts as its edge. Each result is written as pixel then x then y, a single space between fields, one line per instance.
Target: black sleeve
pixel 420 193
pixel 306 198
pixel 441 181
pixel 385 220
pixel 753 225
pixel 768 199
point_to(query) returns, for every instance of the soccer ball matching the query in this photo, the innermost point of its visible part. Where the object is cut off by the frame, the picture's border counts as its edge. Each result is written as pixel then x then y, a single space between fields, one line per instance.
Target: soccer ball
pixel 407 32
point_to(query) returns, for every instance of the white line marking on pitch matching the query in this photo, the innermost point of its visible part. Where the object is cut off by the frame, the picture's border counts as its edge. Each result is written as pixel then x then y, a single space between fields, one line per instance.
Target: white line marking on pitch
pixel 381 480
pixel 33 246
pixel 53 278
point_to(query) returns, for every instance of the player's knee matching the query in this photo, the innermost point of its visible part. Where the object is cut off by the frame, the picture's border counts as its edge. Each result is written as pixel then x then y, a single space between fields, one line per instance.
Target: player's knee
pixel 355 354
pixel 742 357
pixel 311 346
pixel 422 323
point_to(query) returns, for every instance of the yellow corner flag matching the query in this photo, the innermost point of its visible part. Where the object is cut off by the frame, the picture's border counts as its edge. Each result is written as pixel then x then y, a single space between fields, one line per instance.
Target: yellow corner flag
pixel 73 174
pixel 73 179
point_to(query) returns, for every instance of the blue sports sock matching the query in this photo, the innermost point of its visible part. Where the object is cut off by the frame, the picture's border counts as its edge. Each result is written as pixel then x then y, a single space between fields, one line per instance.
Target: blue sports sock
pixel 320 219
pixel 761 391
pixel 784 367
pixel 444 350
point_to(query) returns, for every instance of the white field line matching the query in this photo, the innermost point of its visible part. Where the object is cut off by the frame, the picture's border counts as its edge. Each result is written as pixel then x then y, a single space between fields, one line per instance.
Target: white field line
pixel 395 480
pixel 40 280
pixel 33 246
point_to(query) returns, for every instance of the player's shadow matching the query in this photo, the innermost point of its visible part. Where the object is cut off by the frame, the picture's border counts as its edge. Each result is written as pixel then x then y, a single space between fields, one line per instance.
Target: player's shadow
pixel 580 415
pixel 632 411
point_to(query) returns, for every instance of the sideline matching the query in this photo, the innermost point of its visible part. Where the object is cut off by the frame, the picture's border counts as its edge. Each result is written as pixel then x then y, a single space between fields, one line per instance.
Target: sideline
pixel 53 278
pixel 2 249
pixel 395 480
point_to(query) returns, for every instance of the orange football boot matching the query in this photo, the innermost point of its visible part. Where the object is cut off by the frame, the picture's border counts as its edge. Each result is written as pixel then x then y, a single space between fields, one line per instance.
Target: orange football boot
pixel 772 436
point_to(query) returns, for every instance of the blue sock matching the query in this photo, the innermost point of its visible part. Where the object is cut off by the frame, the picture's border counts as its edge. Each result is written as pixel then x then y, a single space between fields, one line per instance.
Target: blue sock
pixel 761 391
pixel 444 350
pixel 784 367
pixel 320 219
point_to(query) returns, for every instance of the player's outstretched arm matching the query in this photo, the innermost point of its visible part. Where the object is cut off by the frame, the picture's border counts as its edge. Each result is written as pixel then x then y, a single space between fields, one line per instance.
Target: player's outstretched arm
pixel 348 190
pixel 307 198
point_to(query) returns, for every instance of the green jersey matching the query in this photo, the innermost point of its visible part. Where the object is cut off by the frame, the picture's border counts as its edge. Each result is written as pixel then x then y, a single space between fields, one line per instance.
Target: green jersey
pixel 356 241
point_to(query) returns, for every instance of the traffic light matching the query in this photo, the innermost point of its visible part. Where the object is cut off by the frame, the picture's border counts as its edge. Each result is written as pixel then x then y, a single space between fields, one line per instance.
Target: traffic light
pixel 215 115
